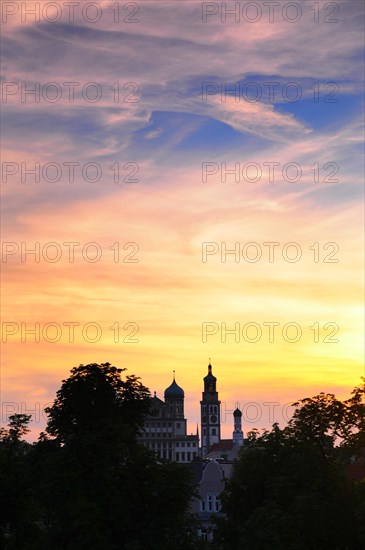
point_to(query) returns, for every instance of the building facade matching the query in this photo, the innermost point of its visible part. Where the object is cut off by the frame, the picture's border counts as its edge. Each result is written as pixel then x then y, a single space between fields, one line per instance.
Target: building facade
pixel 165 433
pixel 165 429
pixel 210 478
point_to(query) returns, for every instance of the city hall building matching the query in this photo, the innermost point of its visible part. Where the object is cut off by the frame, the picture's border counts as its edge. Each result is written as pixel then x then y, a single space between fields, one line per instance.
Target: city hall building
pixel 165 427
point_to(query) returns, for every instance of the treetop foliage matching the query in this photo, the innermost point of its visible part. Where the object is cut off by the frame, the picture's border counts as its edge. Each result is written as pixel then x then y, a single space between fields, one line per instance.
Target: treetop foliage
pixel 87 483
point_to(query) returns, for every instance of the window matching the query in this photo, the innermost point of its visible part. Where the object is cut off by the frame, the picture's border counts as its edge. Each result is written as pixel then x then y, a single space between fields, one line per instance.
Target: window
pixel 202 505
pixel 177 425
pixel 189 457
pixel 210 502
pixel 177 444
pixel 183 444
pixel 217 503
pixel 183 457
pixel 188 444
pixel 177 456
pixel 214 431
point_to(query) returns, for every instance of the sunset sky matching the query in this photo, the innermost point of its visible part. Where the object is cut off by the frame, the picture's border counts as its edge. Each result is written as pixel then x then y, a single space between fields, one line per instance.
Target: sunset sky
pixel 170 96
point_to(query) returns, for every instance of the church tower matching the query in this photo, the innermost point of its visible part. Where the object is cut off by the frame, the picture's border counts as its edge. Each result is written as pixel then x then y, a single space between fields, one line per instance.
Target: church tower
pixel 174 399
pixel 210 413
pixel 237 429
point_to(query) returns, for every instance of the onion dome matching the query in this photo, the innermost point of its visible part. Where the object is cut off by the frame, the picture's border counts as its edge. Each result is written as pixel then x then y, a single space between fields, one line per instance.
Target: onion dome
pixel 210 375
pixel 237 412
pixel 174 391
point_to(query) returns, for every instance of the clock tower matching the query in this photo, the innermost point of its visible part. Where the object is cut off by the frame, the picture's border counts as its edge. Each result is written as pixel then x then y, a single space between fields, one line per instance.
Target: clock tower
pixel 210 413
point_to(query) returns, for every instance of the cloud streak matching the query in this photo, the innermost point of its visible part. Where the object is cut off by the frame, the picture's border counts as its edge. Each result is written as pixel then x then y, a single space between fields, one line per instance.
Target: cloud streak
pixel 166 138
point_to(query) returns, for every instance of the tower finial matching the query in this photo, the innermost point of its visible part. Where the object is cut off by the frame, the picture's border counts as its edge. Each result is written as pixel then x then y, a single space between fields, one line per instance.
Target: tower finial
pixel 174 375
pixel 209 366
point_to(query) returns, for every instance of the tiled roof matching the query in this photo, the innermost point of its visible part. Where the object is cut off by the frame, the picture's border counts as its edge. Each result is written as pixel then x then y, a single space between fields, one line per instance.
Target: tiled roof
pixel 223 445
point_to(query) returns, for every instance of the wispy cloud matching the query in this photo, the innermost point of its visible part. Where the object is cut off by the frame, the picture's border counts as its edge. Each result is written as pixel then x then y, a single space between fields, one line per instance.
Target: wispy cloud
pixel 152 119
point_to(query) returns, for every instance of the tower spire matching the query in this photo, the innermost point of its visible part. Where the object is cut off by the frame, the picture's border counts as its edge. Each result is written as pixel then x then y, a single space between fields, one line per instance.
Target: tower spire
pixel 237 427
pixel 210 412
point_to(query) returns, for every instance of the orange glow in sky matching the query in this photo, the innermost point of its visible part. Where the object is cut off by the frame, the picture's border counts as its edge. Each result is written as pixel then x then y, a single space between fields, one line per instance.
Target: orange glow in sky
pixel 222 228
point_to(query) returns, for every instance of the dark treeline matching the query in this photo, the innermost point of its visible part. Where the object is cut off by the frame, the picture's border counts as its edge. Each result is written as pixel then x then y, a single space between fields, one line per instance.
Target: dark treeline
pixel 87 483
pixel 295 488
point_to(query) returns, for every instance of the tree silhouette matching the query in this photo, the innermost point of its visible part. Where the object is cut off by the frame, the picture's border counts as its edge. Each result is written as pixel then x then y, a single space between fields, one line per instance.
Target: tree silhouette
pixel 17 518
pixel 99 487
pixel 88 483
pixel 291 488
